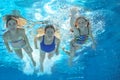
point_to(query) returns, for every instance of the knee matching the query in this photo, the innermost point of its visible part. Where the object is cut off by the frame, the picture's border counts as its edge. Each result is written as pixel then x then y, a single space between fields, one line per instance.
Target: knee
pixel 49 57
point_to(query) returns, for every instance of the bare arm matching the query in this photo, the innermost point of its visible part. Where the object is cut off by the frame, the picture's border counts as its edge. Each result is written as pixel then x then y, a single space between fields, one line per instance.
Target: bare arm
pixel 58 44
pixel 35 43
pixel 6 42
pixel 25 37
pixel 94 43
pixel 36 40
pixel 73 18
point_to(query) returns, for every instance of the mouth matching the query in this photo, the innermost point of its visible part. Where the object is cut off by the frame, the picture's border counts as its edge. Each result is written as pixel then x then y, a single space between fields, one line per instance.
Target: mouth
pixel 12 28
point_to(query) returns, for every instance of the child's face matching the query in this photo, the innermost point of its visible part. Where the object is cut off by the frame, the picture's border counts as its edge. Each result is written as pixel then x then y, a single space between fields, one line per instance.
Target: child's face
pixel 49 32
pixel 12 24
pixel 82 22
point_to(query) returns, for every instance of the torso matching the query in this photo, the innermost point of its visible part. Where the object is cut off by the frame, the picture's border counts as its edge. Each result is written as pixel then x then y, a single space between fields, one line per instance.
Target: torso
pixel 81 31
pixel 16 40
pixel 48 41
pixel 81 35
pixel 46 45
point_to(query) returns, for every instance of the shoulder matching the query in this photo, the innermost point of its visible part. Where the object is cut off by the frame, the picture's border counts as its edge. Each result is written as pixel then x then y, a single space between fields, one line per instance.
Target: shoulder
pixel 57 40
pixel 39 38
pixel 21 30
pixel 6 35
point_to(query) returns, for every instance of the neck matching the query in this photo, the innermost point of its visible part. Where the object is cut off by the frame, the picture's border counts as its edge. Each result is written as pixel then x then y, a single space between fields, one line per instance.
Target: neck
pixel 13 31
pixel 49 38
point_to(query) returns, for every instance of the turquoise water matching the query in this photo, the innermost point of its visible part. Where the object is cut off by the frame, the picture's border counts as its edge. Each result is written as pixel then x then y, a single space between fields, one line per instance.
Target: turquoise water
pixel 88 64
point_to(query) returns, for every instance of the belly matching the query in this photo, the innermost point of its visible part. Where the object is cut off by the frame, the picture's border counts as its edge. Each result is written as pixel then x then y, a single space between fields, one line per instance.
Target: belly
pixel 18 44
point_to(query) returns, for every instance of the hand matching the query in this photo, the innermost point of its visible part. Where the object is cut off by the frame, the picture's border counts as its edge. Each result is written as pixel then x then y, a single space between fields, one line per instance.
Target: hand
pixel 73 11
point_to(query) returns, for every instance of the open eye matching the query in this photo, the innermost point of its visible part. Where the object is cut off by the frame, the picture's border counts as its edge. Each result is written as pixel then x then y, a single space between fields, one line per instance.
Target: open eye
pixel 9 24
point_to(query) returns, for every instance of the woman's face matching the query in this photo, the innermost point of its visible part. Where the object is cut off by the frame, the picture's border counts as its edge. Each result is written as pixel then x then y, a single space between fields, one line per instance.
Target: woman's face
pixel 82 22
pixel 50 32
pixel 12 25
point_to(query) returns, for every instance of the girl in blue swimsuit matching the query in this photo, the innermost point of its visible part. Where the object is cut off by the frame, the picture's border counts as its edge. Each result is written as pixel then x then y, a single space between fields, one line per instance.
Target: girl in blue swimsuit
pixel 48 43
pixel 81 30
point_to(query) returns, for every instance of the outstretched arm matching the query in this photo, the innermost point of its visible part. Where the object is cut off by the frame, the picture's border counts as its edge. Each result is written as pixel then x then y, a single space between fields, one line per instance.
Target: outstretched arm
pixel 94 43
pixel 36 39
pixel 22 32
pixel 35 43
pixel 58 44
pixel 73 18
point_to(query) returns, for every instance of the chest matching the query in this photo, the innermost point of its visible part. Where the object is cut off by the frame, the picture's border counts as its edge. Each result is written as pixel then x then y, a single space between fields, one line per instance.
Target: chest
pixel 82 31
pixel 15 37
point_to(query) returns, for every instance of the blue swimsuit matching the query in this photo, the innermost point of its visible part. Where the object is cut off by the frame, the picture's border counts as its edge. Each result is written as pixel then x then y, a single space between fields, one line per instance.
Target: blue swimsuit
pixel 81 39
pixel 48 47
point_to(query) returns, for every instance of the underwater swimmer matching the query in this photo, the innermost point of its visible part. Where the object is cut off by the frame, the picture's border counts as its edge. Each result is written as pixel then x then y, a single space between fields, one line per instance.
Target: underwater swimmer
pixel 17 39
pixel 81 31
pixel 48 43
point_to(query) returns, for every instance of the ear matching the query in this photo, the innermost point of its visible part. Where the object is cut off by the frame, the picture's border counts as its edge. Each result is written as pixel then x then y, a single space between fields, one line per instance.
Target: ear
pixel 76 23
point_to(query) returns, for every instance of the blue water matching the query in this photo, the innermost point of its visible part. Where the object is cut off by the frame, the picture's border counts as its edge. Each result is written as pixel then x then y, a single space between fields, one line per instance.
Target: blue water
pixel 100 64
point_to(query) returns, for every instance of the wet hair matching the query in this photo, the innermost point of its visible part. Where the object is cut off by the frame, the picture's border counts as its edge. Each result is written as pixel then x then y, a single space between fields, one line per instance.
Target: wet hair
pixel 10 18
pixel 49 26
pixel 76 22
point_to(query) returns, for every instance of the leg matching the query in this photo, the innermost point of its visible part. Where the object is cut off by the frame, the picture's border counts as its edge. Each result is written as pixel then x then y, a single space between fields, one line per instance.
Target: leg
pixel 72 52
pixel 73 47
pixel 42 57
pixel 29 51
pixel 19 53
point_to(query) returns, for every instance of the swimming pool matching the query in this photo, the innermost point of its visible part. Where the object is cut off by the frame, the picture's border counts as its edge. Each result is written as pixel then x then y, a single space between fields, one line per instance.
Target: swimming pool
pixel 100 64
